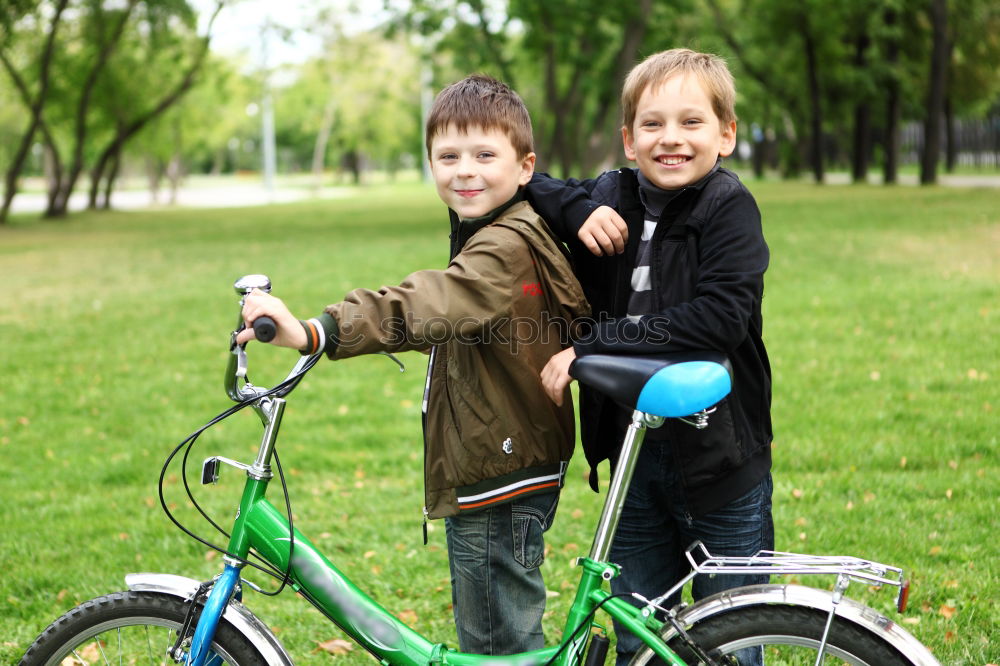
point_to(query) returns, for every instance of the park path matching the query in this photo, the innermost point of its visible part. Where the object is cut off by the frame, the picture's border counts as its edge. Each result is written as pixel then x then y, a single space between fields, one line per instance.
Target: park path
pixel 203 193
pixel 206 192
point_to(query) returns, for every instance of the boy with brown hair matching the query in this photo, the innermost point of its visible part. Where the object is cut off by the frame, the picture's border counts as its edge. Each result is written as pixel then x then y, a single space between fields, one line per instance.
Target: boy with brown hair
pixel 672 258
pixel 496 448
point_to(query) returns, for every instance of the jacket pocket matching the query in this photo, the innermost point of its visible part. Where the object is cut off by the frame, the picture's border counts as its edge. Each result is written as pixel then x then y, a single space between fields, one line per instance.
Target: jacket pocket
pixel 710 453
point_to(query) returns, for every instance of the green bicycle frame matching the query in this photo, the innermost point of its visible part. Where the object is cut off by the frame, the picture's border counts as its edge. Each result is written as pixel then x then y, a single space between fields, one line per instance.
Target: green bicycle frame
pixel 262 527
pixel 259 526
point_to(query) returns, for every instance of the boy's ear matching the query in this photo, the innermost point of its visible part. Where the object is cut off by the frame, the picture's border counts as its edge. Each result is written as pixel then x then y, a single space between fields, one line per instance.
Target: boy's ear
pixel 628 143
pixel 527 169
pixel 728 144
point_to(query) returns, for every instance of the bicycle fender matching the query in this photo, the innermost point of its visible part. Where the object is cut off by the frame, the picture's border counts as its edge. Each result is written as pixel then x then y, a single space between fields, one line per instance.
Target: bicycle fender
pixel 810 597
pixel 238 615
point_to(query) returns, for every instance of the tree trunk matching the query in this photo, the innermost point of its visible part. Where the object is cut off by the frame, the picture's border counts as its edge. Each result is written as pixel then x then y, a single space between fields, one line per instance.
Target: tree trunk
pixel 109 182
pixel 604 143
pixel 35 107
pixel 125 131
pixel 815 102
pixel 893 103
pixel 936 93
pixel 66 185
pixel 322 140
pixel 862 117
pixel 950 144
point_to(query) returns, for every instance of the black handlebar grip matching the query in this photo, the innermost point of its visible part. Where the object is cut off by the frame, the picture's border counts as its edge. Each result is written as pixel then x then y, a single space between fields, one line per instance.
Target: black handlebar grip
pixel 264 328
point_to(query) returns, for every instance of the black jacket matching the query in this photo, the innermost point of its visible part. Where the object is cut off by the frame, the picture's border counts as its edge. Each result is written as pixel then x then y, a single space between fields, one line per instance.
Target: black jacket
pixel 708 258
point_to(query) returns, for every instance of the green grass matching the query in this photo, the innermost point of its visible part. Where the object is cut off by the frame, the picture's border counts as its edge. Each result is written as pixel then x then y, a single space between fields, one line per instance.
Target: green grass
pixel 881 317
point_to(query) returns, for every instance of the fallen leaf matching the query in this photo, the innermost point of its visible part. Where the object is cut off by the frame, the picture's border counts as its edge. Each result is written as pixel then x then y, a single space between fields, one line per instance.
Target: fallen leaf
pixel 369 554
pixel 801 522
pixel 796 493
pixel 91 653
pixel 947 612
pixel 949 636
pixel 336 646
pixel 953 464
pixel 408 617
pixel 902 461
pixel 850 506
pixel 935 550
pixel 911 620
pixel 947 493
pixel 577 514
pixel 869 497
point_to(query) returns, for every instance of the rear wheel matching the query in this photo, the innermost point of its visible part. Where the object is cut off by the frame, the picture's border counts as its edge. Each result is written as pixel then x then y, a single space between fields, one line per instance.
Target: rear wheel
pixel 787 635
pixel 130 628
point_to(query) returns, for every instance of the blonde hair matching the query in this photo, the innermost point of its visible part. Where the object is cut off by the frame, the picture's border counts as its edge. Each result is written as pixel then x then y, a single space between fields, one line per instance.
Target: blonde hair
pixel 711 71
pixel 483 102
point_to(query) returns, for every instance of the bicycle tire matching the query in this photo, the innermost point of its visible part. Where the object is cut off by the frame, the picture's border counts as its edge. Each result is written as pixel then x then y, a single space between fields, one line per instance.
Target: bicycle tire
pixel 789 635
pixel 131 627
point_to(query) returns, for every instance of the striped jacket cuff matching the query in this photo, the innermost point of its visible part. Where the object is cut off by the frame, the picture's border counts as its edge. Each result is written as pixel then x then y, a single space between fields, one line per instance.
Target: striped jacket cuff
pixel 321 335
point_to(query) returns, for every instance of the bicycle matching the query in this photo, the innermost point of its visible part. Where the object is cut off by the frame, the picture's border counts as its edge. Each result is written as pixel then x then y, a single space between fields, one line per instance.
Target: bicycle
pixel 165 618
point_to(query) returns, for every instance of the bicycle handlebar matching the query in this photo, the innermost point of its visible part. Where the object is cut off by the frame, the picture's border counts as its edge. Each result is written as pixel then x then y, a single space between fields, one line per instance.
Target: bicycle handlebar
pixel 264 328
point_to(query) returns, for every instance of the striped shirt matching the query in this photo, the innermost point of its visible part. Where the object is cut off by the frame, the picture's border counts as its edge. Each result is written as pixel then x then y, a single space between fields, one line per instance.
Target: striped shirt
pixel 654 200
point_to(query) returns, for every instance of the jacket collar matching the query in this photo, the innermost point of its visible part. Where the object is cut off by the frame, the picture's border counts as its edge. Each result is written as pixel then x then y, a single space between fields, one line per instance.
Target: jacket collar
pixel 464 229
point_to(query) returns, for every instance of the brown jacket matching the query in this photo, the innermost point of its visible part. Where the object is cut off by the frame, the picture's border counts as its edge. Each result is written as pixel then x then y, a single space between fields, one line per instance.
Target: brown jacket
pixel 492 319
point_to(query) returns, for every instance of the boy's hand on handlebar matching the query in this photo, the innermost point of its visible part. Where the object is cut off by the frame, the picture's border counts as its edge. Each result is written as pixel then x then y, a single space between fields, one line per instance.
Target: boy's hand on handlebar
pixel 555 375
pixel 289 331
pixel 604 232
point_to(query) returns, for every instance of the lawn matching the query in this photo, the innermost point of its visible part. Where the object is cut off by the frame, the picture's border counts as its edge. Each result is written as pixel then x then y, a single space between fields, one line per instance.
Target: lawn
pixel 881 318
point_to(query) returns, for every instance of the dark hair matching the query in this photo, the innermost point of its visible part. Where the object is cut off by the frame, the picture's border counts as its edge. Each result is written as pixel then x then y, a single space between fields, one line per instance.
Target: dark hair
pixel 483 102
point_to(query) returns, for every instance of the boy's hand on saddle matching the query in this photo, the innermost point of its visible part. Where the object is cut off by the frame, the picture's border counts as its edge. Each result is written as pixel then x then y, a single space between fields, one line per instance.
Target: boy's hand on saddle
pixel 289 331
pixel 604 233
pixel 555 375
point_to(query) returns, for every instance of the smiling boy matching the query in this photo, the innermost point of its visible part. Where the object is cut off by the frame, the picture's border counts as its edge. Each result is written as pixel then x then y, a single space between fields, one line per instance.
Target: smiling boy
pixel 672 258
pixel 495 447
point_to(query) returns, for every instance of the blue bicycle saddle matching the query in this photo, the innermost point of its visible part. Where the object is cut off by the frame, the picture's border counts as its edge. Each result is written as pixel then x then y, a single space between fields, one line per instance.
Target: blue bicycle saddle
pixel 667 385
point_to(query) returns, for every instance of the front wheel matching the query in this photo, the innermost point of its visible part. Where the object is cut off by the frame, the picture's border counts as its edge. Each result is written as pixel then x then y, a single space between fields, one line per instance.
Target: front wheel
pixel 130 628
pixel 787 636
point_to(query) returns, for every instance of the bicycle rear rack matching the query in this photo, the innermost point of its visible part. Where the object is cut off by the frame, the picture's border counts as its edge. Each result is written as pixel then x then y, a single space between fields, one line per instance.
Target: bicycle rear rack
pixel 778 563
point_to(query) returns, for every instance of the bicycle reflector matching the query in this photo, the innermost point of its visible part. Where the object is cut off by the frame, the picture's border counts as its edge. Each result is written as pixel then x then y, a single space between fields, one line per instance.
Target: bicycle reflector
pixel 904 596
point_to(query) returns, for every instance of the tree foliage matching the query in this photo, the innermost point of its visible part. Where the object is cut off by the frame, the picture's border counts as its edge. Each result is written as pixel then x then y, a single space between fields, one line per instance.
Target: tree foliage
pixel 98 83
pixel 113 68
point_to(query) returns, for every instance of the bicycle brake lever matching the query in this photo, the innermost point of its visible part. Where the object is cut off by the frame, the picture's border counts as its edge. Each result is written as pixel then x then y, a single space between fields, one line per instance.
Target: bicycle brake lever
pixel 402 368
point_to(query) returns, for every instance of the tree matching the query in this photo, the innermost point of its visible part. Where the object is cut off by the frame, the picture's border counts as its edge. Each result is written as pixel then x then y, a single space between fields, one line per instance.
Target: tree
pixel 160 32
pixel 356 115
pixel 934 113
pixel 88 105
pixel 568 70
pixel 35 103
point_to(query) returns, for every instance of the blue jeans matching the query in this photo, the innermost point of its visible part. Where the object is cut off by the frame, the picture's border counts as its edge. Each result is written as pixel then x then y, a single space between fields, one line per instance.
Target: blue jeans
pixel 655 530
pixel 496 584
